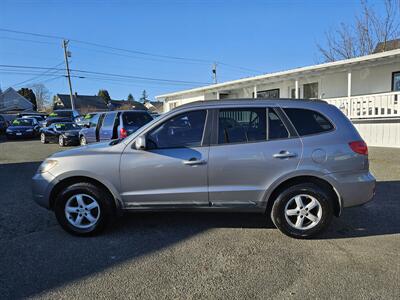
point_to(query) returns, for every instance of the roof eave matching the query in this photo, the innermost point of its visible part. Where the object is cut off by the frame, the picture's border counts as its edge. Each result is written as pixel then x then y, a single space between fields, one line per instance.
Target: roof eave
pixel 287 72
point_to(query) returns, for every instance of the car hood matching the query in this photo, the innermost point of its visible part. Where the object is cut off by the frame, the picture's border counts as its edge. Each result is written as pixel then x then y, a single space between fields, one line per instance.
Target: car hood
pixel 91 149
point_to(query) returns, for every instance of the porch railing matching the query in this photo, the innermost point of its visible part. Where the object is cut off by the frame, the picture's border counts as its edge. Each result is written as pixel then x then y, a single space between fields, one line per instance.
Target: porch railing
pixel 369 106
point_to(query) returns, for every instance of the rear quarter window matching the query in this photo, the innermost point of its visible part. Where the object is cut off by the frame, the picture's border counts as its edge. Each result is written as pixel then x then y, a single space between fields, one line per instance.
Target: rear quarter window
pixel 137 119
pixel 307 121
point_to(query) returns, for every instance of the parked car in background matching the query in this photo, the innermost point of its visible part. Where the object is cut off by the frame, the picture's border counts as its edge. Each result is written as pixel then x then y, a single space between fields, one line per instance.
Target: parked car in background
pixel 66 113
pixel 3 124
pixel 23 128
pixel 84 120
pixel 301 162
pixel 40 119
pixel 51 120
pixel 62 133
pixel 113 125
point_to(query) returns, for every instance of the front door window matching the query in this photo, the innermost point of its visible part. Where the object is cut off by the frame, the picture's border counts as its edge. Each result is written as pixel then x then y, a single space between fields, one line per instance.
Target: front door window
pixel 181 131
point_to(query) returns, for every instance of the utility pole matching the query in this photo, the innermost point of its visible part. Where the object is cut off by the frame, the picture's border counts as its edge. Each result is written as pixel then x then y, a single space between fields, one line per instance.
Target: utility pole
pixel 66 55
pixel 214 73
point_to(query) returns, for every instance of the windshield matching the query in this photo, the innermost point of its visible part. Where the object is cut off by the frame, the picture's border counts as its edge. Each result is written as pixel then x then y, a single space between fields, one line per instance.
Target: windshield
pixel 66 126
pixel 137 119
pixel 22 122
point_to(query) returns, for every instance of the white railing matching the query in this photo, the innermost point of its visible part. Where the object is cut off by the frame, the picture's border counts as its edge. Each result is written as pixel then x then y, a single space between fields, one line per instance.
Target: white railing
pixel 369 106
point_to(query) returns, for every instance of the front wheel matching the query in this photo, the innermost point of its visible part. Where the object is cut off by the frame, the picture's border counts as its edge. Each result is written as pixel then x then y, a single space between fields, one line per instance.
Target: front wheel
pixel 43 138
pixel 61 141
pixel 302 211
pixel 83 209
pixel 82 141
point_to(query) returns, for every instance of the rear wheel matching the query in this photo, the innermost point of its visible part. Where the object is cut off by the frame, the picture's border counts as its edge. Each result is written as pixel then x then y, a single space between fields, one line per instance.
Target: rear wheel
pixel 82 141
pixel 302 211
pixel 43 138
pixel 83 209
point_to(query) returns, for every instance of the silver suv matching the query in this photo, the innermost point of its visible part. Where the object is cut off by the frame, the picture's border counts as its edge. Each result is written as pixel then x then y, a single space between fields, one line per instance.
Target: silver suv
pixel 299 161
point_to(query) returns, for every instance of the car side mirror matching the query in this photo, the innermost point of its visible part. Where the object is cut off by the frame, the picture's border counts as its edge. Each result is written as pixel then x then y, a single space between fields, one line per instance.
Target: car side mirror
pixel 140 143
pixel 86 125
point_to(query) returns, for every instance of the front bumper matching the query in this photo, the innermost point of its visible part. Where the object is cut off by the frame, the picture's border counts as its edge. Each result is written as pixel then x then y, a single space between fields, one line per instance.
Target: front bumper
pixel 71 140
pixel 22 135
pixel 354 188
pixel 42 184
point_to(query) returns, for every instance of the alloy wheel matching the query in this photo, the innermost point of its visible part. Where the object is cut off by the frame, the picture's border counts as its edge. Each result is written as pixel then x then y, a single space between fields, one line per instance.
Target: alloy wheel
pixel 303 212
pixel 42 138
pixel 83 141
pixel 82 211
pixel 61 140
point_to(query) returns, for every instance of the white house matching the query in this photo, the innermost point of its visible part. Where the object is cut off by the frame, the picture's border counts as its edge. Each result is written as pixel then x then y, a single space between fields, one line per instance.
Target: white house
pixel 366 89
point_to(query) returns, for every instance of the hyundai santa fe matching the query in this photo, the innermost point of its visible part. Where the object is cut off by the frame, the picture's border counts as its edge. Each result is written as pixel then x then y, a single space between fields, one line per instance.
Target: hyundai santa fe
pixel 300 162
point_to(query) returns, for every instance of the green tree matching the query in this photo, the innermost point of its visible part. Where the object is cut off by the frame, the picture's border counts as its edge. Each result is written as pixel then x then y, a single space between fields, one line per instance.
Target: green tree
pixel 145 97
pixel 29 95
pixel 105 95
pixel 130 98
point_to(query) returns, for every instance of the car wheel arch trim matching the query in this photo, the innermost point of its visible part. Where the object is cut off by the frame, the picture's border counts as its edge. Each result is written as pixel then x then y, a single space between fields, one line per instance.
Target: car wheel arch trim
pixel 86 177
pixel 281 181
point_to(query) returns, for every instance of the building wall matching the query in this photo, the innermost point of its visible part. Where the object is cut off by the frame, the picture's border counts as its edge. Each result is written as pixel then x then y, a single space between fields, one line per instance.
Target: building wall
pixel 181 100
pixel 380 134
pixel 372 80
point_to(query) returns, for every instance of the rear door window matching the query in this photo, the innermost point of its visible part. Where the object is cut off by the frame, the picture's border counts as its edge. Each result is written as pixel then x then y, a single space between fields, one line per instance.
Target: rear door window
pixel 241 125
pixel 308 121
pixel 276 128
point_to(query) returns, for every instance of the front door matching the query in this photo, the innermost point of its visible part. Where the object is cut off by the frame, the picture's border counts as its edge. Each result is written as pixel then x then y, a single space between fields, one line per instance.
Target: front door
pixel 253 149
pixel 172 170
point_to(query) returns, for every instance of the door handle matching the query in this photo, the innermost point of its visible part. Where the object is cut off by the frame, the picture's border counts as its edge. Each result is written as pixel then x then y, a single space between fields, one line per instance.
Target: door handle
pixel 284 154
pixel 193 162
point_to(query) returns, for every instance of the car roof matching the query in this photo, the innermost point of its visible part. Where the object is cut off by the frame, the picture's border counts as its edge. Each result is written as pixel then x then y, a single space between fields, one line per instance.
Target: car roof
pixel 252 101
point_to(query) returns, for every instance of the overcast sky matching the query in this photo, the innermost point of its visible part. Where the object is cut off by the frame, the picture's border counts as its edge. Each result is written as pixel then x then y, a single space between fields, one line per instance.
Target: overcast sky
pixel 251 37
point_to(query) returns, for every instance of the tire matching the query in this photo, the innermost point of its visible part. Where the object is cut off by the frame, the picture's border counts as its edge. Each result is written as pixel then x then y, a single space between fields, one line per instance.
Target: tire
pixel 82 141
pixel 43 138
pixel 61 141
pixel 304 218
pixel 96 203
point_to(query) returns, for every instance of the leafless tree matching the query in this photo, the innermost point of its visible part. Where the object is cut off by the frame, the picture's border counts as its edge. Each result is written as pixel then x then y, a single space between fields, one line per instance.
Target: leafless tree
pixel 42 95
pixel 361 37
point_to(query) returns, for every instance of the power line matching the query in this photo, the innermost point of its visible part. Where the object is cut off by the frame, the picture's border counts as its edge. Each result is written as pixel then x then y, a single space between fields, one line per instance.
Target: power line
pixel 107 74
pixel 176 58
pixel 38 76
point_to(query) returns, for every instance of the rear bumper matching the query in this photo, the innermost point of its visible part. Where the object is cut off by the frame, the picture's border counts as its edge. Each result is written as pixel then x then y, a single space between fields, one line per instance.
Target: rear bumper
pixel 354 188
pixel 42 184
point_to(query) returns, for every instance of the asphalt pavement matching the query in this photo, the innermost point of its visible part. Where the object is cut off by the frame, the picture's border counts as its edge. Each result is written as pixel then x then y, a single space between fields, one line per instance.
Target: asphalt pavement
pixel 195 256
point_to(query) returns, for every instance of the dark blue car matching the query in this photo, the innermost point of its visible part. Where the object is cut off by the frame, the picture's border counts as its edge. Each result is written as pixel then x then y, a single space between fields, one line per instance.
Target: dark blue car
pixel 113 125
pixel 23 128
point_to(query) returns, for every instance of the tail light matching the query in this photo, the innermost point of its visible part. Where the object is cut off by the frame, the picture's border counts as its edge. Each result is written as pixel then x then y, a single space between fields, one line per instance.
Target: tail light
pixel 359 147
pixel 123 133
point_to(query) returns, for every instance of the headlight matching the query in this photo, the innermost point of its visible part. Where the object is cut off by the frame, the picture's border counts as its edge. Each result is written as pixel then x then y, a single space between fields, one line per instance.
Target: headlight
pixel 29 130
pixel 8 130
pixel 69 134
pixel 47 165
